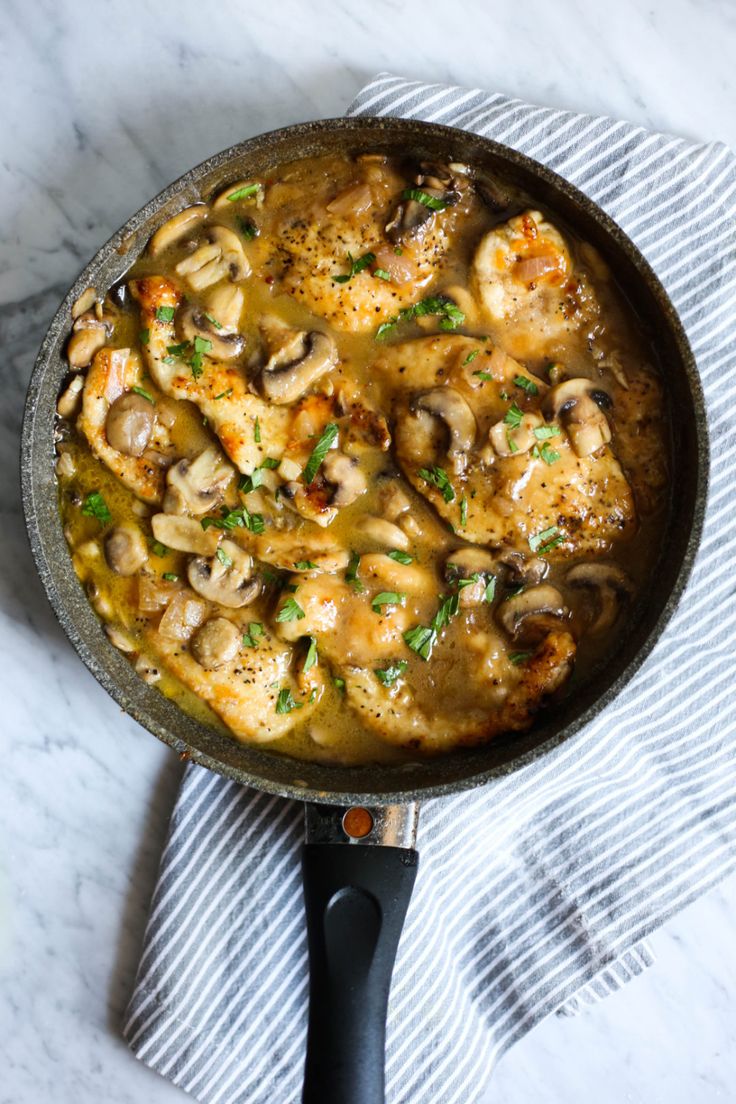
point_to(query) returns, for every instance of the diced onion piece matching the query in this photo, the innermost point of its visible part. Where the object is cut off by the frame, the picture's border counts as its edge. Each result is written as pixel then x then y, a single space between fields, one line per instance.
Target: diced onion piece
pixel 351 201
pixel 183 615
pixel 533 268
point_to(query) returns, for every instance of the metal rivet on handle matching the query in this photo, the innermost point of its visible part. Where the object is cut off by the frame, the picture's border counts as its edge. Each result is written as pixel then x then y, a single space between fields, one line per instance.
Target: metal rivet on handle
pixel 357 822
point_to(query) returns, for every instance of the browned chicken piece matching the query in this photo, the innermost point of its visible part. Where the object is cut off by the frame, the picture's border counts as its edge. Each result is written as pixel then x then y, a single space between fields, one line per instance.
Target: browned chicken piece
pixel 258 691
pixel 126 439
pixel 249 428
pixel 343 220
pixel 471 435
pixel 505 698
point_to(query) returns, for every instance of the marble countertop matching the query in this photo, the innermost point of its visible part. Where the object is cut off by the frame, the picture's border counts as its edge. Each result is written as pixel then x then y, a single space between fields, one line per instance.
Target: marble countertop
pixel 104 104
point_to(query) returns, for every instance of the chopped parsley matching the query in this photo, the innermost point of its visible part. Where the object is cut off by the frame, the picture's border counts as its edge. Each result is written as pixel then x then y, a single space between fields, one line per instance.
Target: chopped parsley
pixel 543 433
pixel 339 683
pixel 213 322
pixel 422 639
pixel 485 376
pixel 546 540
pixel 351 573
pixel 355 267
pixel 144 336
pixel 238 518
pixel 382 274
pixel 144 394
pixel 170 577
pixel 320 450
pixel 450 315
pixel 519 657
pixel 285 702
pixel 400 557
pixel 513 447
pixel 311 659
pixel 513 416
pixel 313 696
pixel 470 358
pixel 305 565
pixel 202 345
pixel 255 631
pixel 427 200
pixel 165 314
pixel 159 549
pixel 223 557
pixel 224 394
pixel 290 611
pixel 248 228
pixel 463 511
pixel 96 507
pixel 388 675
pixel 387 598
pixel 438 477
pixel 245 192
pixel 257 431
pixel 490 592
pixel 526 385
pixel 549 455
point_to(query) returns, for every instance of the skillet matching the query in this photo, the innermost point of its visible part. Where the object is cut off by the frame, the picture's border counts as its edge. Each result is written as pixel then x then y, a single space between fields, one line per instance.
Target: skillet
pixel 359 861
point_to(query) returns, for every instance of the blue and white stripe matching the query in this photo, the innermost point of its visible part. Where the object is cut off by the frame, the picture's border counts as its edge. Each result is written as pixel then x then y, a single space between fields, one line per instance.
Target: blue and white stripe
pixel 535 894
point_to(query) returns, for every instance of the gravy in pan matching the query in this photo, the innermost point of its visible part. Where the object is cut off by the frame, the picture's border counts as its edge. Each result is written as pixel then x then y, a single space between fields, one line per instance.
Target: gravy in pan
pixel 363 460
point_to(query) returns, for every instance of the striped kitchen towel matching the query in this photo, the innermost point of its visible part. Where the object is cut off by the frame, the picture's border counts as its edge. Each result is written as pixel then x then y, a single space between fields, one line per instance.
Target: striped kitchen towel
pixel 537 892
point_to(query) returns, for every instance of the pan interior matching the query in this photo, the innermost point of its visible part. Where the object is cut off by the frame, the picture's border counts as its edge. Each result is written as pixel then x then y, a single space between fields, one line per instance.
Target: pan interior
pixel 377 784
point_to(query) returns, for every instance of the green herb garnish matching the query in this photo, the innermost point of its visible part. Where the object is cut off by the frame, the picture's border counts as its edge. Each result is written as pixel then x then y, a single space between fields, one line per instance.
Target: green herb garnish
pixel 427 200
pixel 387 598
pixel 201 346
pixel 257 431
pixel 159 549
pixel 438 477
pixel 248 228
pixel 451 315
pixel 144 336
pixel 351 572
pixel 546 540
pixel 470 358
pixel 485 376
pixel 96 507
pixel 543 433
pixel 238 518
pixel 463 511
pixel 255 630
pixel 285 702
pixel 311 659
pixel 519 657
pixel 223 557
pixel 549 455
pixel 320 450
pixel 144 394
pixel 165 314
pixel 490 592
pixel 290 611
pixel 245 192
pixel 388 675
pixel 382 274
pixel 356 267
pixel 213 322
pixel 224 394
pixel 339 683
pixel 170 577
pixel 400 557
pixel 305 565
pixel 526 385
pixel 513 416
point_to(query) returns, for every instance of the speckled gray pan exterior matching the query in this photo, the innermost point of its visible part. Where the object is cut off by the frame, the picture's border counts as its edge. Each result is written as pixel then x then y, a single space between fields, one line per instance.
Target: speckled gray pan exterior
pixel 371 785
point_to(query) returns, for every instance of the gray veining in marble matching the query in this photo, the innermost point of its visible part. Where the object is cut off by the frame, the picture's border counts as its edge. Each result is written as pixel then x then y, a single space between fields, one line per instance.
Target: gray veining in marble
pixel 103 104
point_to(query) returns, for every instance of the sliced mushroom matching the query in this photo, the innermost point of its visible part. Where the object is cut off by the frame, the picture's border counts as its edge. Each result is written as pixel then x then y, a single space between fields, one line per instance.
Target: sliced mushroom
pixel 192 322
pixel 221 254
pixel 175 228
pixel 195 486
pixel 611 585
pixel 225 578
pixel 84 303
pixel 530 615
pixel 449 405
pixel 577 403
pixel 515 440
pixel 292 370
pixel 130 423
pixel 70 398
pixel 185 534
pixel 125 549
pixel 345 476
pixel 384 532
pixel 470 564
pixel 225 305
pixel 411 216
pixel 89 334
pixel 216 643
pixel 523 570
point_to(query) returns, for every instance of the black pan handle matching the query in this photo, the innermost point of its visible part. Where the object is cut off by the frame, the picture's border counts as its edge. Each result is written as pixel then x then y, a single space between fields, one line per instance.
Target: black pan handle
pixel 356 892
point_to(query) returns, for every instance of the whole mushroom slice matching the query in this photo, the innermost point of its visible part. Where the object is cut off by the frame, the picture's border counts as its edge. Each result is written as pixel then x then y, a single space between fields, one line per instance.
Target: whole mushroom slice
pixel 471 570
pixel 515 440
pixel 533 613
pixel 344 475
pixel 226 577
pixel 411 216
pixel 195 485
pixel 216 643
pixel 193 322
pixel 221 254
pixel 125 549
pixel 446 407
pixel 296 366
pixel 130 423
pixel 185 534
pixel 523 570
pixel 611 585
pixel 577 404
pixel 176 227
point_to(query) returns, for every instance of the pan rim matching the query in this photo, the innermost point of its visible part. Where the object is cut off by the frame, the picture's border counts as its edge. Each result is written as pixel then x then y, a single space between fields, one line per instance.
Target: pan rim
pixel 135 704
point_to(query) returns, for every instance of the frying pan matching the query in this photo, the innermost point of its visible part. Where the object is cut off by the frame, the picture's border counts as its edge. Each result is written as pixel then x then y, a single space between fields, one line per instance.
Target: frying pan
pixel 359 862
